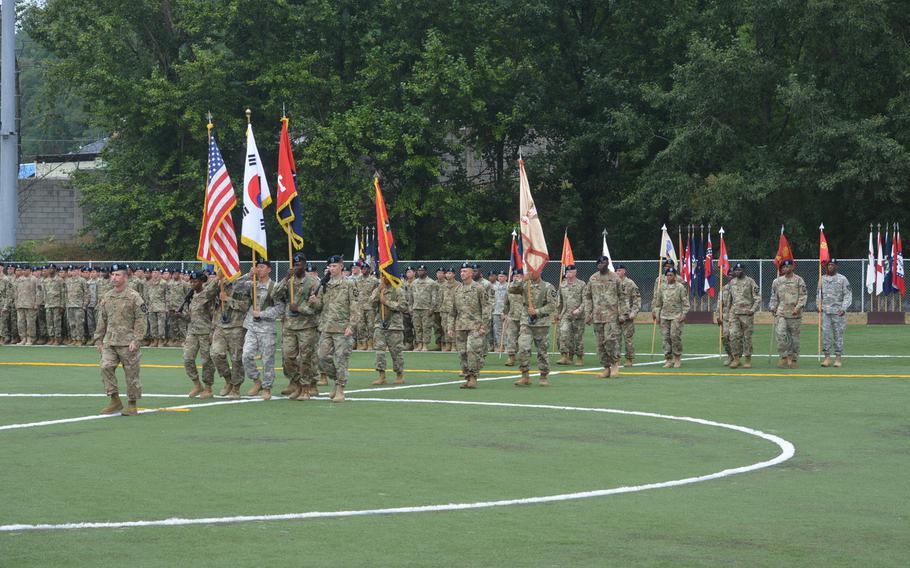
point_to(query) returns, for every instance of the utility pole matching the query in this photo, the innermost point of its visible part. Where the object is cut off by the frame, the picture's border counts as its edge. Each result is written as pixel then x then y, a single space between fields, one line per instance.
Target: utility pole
pixel 9 138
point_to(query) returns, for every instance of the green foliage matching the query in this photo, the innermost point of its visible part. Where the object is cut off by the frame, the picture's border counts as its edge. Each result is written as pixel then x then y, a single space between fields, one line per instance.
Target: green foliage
pixel 26 251
pixel 745 114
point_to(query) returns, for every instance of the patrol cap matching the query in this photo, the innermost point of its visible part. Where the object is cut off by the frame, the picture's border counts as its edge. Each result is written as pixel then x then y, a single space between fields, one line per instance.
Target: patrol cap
pixel 670 270
pixel 603 258
pixel 787 262
pixel 116 267
pixel 570 267
pixel 334 259
pixel 300 258
pixel 739 266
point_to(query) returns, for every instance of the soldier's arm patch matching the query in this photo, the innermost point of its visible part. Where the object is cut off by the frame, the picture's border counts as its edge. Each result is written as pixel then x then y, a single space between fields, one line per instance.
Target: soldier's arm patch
pixel 144 308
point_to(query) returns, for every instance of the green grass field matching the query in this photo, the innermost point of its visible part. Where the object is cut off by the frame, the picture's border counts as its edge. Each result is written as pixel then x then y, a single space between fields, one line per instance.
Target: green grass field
pixel 842 500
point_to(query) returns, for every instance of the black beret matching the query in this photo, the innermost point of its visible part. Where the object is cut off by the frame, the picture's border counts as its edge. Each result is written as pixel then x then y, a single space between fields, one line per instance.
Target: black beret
pixel 787 262
pixel 264 261
pixel 570 267
pixel 466 265
pixel 738 266
pixel 310 267
pixel 832 261
pixel 199 275
pixel 450 269
pixel 116 267
pixel 422 267
pixel 670 270
pixel 518 271
pixel 620 267
pixel 299 257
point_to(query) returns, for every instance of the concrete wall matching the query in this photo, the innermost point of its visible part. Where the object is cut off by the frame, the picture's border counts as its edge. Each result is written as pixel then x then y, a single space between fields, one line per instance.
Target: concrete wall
pixel 49 208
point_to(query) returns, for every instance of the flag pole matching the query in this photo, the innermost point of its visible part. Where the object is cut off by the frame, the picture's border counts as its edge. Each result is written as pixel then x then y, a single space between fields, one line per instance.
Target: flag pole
pixel 248 115
pixel 900 296
pixel 660 259
pixel 502 336
pixel 818 355
pixel 287 231
pixel 209 127
pixel 720 299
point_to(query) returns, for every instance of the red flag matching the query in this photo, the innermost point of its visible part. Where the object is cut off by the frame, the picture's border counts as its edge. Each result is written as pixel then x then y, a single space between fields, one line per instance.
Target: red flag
pixel 724 261
pixel 287 202
pixel 388 254
pixel 898 279
pixel 824 256
pixel 567 256
pixel 516 254
pixel 709 261
pixel 784 252
pixel 686 264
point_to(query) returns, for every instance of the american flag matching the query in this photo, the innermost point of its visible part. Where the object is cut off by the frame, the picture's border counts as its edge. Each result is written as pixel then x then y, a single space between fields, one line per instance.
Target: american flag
pixel 218 240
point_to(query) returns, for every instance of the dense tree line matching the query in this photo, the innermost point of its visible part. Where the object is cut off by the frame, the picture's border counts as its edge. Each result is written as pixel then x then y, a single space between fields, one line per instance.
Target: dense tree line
pixel 632 113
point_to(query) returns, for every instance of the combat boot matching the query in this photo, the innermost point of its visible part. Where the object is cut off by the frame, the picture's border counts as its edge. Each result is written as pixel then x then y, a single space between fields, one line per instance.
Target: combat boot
pixel 115 405
pixel 292 386
pixel 334 391
pixel 628 363
pixel 735 362
pixel 605 374
pixel 29 341
pixel 130 409
pixel 510 362
pixel 747 362
pixel 838 361
pixel 266 394
pixel 544 382
pixel 827 361
pixel 197 389
pixel 304 393
pixel 226 390
pixel 677 363
pixel 564 360
pixel 41 341
pixel 470 383
pixel 783 363
pixel 380 380
pixel 339 394
pixel 614 370
pixel 206 392
pixel 794 364
pixel 299 389
pixel 234 392
pixel 668 364
pixel 399 378
pixel 312 390
pixel 323 380
pixel 524 381
pixel 257 386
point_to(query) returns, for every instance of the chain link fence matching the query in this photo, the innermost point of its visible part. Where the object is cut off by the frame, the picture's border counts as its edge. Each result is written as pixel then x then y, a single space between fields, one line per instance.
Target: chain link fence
pixel 643 272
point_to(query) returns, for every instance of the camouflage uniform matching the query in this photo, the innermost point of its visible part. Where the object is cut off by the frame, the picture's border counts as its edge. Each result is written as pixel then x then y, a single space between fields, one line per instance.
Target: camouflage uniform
pixel 199 334
pixel 300 332
pixel 515 311
pixel 121 321
pixel 260 334
pixel 229 333
pixel 438 297
pixel 629 306
pixel 745 300
pixel 365 286
pixel 388 333
pixel 423 292
pixel 339 309
pixel 407 301
pixel 572 326
pixel 26 298
pixel 725 304
pixel 500 292
pixel 788 294
pixel 445 292
pixel 602 294
pixel 176 322
pixel 471 310
pixel 54 303
pixel 156 292
pixel 93 298
pixel 6 293
pixel 836 297
pixel 41 316
pixel 671 305
pixel 535 329
pixel 76 301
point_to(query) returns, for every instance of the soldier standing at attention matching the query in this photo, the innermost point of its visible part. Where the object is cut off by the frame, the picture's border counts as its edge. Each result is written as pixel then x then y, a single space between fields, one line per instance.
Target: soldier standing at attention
pixel 571 318
pixel 500 292
pixel 409 300
pixel 121 325
pixel 441 337
pixel 512 312
pixel 54 304
pixel 446 289
pixel 788 299
pixel 199 334
pixel 423 291
pixel 389 329
pixel 540 302
pixel 745 301
pixel 76 301
pixel 365 284
pixel 336 300
pixel 836 298
pixel 156 292
pixel 176 293
pixel 300 332
pixel 602 309
pixel 725 303
pixel 91 284
pixel 260 330
pixel 26 298
pixel 471 309
pixel 5 292
pixel 670 308
pixel 41 317
pixel 629 306
pixel 228 335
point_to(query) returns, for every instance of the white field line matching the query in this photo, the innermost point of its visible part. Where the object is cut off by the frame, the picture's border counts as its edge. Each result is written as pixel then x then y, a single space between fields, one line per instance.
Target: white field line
pixel 787 451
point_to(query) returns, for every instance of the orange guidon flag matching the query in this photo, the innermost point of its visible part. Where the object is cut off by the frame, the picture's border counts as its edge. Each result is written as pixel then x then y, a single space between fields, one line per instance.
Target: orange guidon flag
pixel 535 246
pixel 568 258
pixel 824 256
pixel 784 252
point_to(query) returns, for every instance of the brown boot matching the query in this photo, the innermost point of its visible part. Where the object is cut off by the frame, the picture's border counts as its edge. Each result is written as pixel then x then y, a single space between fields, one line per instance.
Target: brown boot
pixel 783 363
pixel 370 344
pixel 676 362
pixel 115 405
pixel 41 341
pixel 304 393
pixel 827 361
pixel 234 392
pixel 299 389
pixel 838 362
pixel 380 380
pixel 614 370
pixel 339 394
pixel 747 362
pixel 564 360
pixel 605 374
pixel 668 364
pixel 334 392
pixel 312 390
pixel 266 394
pixel 292 386
pixel 524 381
pixel 399 378
pixel 470 383
pixel 510 362
pixel 206 393
pixel 580 361
pixel 735 362
pixel 197 389
pixel 226 390
pixel 323 380
pixel 794 364
pixel 543 380
pixel 130 409
pixel 257 386
pixel 628 363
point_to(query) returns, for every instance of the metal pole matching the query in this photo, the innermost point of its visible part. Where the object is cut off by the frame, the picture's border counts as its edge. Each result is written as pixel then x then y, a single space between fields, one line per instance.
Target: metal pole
pixel 9 138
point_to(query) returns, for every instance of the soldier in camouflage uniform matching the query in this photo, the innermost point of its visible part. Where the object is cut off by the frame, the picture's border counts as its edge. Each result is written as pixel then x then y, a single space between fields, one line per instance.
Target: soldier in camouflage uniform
pixel 571 318
pixel 441 337
pixel 176 322
pixel 540 302
pixel 472 307
pixel 670 308
pixel 199 335
pixel 423 292
pixel 602 294
pixel 13 272
pixel 228 334
pixel 446 289
pixel 300 332
pixel 91 284
pixel 365 284
pixel 54 304
pixel 5 295
pixel 512 314
pixel 340 314
pixel 260 330
pixel 500 292
pixel 488 288
pixel 788 299
pixel 156 293
pixel 76 301
pixel 121 324
pixel 629 306
pixel 723 316
pixel 26 298
pixel 835 298
pixel 408 299
pixel 745 300
pixel 388 334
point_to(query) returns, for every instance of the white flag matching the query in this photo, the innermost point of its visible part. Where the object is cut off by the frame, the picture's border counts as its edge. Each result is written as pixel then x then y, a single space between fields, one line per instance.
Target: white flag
pixel 880 267
pixel 535 247
pixel 870 267
pixel 666 246
pixel 356 256
pixel 606 252
pixel 256 197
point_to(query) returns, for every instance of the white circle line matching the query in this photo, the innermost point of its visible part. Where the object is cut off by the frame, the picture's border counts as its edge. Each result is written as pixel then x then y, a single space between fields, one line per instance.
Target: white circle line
pixel 787 452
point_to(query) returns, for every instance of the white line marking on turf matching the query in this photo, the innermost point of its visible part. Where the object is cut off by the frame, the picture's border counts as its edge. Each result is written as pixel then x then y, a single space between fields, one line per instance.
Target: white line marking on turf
pixel 787 451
